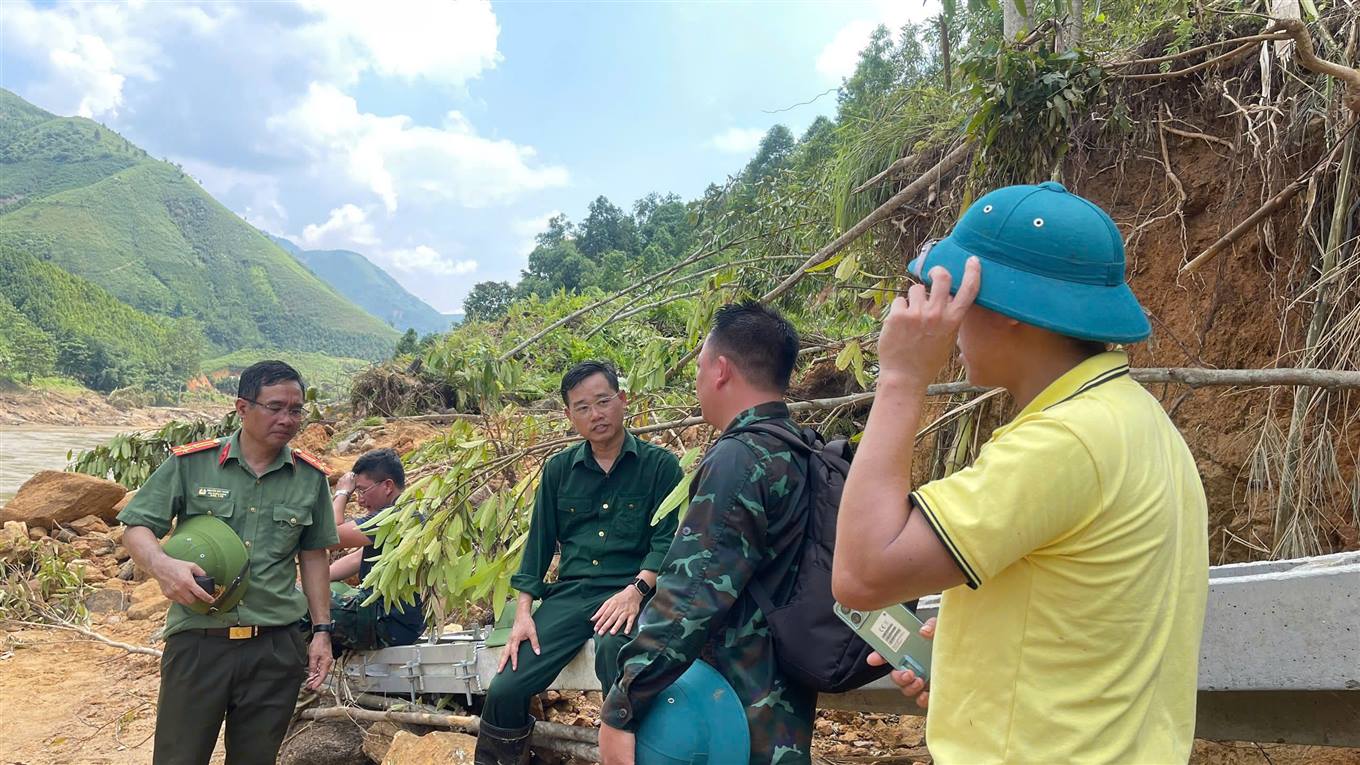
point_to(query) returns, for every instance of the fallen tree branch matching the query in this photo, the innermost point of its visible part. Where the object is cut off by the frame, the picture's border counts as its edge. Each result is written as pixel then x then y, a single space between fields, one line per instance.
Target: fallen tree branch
pixel 900 164
pixel 1263 37
pixel 129 647
pixel 1269 208
pixel 1223 59
pixel 946 163
pixel 555 736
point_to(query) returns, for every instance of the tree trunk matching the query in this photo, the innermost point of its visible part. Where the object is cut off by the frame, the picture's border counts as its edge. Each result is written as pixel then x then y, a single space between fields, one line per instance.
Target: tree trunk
pixel 944 51
pixel 1015 16
pixel 1069 34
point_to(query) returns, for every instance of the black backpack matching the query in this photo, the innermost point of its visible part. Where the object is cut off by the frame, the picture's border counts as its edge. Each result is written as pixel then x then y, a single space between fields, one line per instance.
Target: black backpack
pixel 814 647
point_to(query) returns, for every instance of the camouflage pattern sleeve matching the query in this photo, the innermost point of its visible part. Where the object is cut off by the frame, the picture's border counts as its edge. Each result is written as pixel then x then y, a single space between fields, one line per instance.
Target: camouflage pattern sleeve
pixel 541 545
pixel 663 533
pixel 720 543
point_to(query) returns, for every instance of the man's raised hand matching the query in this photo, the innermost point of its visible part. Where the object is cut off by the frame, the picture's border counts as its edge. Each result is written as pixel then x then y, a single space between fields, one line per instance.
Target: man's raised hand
pixel 920 329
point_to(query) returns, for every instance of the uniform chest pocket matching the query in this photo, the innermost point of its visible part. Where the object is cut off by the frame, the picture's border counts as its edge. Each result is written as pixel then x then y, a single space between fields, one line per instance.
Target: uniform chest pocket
pixel 285 530
pixel 218 507
pixel 632 518
pixel 574 514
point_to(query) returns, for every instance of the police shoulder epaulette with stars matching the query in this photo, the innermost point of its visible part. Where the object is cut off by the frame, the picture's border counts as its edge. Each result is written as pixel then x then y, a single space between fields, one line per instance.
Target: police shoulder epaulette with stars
pixel 312 460
pixel 194 448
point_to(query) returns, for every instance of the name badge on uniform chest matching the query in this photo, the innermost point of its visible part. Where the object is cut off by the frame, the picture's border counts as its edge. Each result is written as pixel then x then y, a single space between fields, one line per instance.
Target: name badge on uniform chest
pixel 213 493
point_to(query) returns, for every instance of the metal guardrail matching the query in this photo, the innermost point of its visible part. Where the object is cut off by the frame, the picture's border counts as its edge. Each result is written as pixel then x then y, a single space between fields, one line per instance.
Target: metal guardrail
pixel 1279 661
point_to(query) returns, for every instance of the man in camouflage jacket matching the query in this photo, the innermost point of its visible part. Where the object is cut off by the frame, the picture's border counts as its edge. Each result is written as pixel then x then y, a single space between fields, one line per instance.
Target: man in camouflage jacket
pixel 744 522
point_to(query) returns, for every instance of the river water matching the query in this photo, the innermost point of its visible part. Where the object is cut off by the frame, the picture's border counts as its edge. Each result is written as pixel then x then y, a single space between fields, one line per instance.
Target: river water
pixel 26 449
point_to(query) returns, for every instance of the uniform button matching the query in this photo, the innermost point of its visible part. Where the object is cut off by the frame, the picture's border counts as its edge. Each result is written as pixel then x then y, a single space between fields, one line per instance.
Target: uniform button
pixel 594 563
pixel 252 509
pixel 631 505
pixel 605 506
pixel 601 533
pixel 708 553
pixel 292 521
pixel 247 543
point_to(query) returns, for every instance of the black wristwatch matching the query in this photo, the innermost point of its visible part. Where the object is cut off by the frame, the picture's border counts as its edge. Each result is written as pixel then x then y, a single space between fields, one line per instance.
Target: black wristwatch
pixel 642 586
pixel 328 627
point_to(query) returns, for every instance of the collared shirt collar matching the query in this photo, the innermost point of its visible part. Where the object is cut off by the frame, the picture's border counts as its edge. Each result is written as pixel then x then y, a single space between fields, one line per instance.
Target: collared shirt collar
pixel 232 451
pixel 1098 369
pixel 770 410
pixel 583 451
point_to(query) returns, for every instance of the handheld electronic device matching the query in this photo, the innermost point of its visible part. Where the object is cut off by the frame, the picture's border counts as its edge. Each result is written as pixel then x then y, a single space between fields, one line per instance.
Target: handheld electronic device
pixel 895 633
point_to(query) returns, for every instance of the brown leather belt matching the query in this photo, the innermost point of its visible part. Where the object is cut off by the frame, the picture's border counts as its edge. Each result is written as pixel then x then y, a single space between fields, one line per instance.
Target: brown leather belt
pixel 243 632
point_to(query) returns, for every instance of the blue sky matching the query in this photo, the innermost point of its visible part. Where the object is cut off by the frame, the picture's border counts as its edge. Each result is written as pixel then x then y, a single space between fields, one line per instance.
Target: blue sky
pixel 436 137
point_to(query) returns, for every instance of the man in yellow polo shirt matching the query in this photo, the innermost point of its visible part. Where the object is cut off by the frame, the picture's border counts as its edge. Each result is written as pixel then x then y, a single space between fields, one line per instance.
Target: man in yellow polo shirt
pixel 1073 553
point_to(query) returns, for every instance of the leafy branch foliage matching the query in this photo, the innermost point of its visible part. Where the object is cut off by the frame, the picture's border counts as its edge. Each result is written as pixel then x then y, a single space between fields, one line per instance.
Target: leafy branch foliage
pixel 131 458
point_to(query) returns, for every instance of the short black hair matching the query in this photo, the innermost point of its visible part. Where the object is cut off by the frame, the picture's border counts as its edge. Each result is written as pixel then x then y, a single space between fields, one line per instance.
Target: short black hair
pixel 759 340
pixel 380 465
pixel 578 374
pixel 263 373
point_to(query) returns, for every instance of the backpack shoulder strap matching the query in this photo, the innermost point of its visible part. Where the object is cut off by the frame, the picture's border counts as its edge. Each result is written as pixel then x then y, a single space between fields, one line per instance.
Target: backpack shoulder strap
pixel 756 587
pixel 794 440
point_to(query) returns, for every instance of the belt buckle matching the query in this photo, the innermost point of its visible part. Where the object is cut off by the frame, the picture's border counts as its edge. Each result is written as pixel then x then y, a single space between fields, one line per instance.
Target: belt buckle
pixel 240 633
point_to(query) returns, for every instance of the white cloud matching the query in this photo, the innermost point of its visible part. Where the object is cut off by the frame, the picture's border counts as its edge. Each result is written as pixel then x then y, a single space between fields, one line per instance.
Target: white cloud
pixel 840 56
pixel 346 228
pixel 87 52
pixel 527 229
pixel 424 259
pixel 390 156
pixel 737 140
pixel 437 40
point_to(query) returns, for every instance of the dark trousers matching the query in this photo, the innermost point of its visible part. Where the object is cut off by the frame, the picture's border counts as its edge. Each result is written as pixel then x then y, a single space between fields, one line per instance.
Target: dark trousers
pixel 252 684
pixel 563 625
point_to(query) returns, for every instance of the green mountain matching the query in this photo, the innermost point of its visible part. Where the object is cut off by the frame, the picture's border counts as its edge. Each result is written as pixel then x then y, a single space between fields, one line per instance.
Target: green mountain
pixel 371 288
pixel 80 197
pixel 53 321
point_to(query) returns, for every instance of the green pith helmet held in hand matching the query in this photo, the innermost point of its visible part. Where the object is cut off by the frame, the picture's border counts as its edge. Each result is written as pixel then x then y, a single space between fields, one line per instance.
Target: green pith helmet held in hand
pixel 212 545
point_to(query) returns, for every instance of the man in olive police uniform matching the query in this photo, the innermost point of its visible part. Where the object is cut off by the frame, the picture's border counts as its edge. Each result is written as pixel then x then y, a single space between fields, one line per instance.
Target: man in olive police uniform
pixel 596 501
pixel 244 665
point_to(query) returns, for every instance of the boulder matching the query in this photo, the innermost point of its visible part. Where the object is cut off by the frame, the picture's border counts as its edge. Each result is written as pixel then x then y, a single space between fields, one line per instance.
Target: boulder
pixel 436 748
pixel 13 536
pixel 90 524
pixel 378 737
pixel 122 503
pixel 325 742
pixel 148 601
pixel 93 546
pixel 52 496
pixel 106 601
pixel 36 532
pixel 93 574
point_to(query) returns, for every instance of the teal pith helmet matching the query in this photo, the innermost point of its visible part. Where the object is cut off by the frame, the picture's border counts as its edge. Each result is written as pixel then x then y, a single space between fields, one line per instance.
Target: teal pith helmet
pixel 1050 259
pixel 209 542
pixel 698 720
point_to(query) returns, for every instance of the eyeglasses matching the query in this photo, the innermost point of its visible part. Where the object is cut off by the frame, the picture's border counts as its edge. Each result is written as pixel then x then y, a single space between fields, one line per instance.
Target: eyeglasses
pixel 360 491
pixel 275 410
pixel 601 404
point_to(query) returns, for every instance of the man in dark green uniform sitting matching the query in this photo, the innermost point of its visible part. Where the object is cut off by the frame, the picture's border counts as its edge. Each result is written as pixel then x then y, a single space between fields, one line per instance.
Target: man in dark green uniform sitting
pixel 596 501
pixel 376 481
pixel 746 520
pixel 247 663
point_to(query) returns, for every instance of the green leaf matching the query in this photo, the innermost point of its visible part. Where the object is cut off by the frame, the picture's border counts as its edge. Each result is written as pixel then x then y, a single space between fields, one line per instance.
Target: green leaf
pixel 678 496
pixel 828 264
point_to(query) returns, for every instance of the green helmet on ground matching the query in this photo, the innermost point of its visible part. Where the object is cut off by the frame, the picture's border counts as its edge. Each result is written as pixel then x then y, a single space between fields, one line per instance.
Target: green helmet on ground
pixel 211 544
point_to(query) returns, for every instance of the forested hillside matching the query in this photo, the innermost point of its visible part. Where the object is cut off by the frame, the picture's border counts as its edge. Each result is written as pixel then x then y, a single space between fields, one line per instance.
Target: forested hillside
pixel 371 288
pixel 79 197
